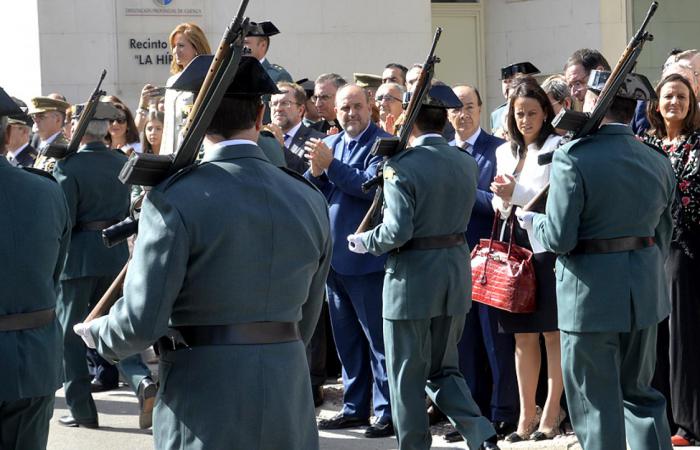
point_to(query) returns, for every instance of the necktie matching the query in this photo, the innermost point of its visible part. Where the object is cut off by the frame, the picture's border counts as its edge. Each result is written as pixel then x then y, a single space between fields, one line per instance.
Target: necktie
pixel 467 147
pixel 349 148
pixel 286 140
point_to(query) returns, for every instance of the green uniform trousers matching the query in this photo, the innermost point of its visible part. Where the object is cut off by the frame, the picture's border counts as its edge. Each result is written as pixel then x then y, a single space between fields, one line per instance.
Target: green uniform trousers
pixel 607 379
pixel 421 357
pixel 24 423
pixel 74 301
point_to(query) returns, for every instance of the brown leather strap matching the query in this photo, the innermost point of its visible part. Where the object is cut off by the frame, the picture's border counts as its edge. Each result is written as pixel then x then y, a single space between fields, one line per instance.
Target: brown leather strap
pixel 27 321
pixel 621 244
pixel 97 225
pixel 434 242
pixel 253 333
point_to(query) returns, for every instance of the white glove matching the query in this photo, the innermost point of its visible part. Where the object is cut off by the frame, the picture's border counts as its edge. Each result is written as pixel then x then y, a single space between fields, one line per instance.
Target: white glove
pixel 525 218
pixel 83 330
pixel 355 244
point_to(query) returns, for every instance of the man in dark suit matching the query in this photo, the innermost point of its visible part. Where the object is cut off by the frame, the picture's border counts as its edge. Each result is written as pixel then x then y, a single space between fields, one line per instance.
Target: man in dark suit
pixel 325 88
pixel 287 111
pixel 498 400
pixel 338 166
pixel 19 126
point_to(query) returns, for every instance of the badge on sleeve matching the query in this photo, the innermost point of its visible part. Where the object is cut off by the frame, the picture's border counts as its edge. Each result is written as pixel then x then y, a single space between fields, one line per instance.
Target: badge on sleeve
pixel 389 173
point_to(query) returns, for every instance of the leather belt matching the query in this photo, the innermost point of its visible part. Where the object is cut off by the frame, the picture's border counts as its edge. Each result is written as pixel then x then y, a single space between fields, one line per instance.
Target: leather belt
pixel 253 333
pixel 621 244
pixel 27 321
pixel 434 242
pixel 97 225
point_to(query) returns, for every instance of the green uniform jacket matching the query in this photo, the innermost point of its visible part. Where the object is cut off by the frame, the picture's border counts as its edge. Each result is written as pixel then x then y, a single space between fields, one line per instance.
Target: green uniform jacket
pixel 232 240
pixel 276 72
pixel 421 284
pixel 35 233
pixel 613 292
pixel 94 193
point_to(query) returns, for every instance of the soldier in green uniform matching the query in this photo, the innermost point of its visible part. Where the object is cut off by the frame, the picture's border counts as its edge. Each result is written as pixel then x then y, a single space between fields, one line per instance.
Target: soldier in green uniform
pixel 96 199
pixel 49 115
pixel 608 217
pixel 429 192
pixel 231 262
pixel 36 232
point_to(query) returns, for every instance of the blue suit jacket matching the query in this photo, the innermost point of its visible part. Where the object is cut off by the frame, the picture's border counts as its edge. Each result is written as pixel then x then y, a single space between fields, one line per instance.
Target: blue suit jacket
pixel 341 183
pixel 481 221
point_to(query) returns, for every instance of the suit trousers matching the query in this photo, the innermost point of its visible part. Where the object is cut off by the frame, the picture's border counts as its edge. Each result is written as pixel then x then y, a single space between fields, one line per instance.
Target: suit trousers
pixel 132 369
pixel 24 423
pixel 607 379
pixel 355 306
pixel 422 358
pixel 72 306
pixel 480 347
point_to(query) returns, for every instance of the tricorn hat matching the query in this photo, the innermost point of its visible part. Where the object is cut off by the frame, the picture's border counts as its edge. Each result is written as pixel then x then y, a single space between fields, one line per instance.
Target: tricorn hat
pixel 22 118
pixel 103 111
pixel 367 80
pixel 251 79
pixel 636 86
pixel 44 104
pixel 442 96
pixel 526 68
pixel 262 29
pixel 7 106
pixel 307 85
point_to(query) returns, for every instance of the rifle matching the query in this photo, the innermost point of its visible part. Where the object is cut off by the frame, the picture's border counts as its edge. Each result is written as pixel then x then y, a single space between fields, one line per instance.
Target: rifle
pixel 149 170
pixel 584 124
pixel 60 151
pixel 390 146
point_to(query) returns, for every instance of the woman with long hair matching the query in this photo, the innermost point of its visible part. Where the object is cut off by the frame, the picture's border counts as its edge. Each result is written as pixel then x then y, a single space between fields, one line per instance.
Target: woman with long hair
pixel 122 133
pixel 519 179
pixel 673 118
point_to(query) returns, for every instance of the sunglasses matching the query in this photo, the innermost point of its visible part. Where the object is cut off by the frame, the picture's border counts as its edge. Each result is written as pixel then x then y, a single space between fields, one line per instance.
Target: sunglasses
pixel 119 121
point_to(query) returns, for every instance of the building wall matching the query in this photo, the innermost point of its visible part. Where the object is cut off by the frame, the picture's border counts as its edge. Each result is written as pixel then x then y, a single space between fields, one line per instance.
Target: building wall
pixel 544 32
pixel 76 39
pixel 20 75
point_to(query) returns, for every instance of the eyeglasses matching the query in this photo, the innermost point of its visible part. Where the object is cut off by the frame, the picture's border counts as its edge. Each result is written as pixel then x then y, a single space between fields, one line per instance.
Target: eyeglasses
pixel 282 104
pixel 320 98
pixel 119 121
pixel 387 97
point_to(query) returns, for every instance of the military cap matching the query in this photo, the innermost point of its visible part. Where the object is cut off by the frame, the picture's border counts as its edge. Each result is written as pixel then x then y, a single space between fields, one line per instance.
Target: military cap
pixel 526 68
pixel 636 86
pixel 22 118
pixel 7 106
pixel 251 79
pixel 103 111
pixel 307 85
pixel 367 80
pixel 442 96
pixel 262 29
pixel 44 104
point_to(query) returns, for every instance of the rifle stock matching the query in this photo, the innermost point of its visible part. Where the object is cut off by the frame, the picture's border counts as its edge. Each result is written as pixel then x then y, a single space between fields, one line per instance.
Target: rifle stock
pixel 582 125
pixel 388 147
pixel 58 151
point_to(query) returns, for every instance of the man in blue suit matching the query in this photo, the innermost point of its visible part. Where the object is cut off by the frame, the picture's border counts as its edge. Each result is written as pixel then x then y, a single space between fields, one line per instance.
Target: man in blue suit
pixel 498 400
pixel 338 166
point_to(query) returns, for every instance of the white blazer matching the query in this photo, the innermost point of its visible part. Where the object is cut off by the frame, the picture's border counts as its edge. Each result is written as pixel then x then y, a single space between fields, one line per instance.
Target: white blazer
pixel 529 182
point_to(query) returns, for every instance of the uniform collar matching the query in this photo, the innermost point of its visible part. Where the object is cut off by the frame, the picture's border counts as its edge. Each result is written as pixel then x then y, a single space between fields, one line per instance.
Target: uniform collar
pixel 233 149
pixel 93 146
pixel 428 139
pixel 615 128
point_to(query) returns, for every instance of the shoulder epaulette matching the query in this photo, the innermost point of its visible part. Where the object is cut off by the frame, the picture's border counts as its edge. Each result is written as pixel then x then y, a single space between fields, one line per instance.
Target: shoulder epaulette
pixel 177 175
pixel 40 172
pixel 299 177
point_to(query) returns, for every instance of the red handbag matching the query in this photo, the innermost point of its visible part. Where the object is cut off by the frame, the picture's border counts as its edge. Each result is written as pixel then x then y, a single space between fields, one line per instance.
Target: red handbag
pixel 502 273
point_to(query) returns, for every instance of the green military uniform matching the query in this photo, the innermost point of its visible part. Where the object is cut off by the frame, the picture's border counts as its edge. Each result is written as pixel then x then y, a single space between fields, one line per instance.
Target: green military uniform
pixel 94 193
pixel 429 191
pixel 272 150
pixel 36 231
pixel 42 105
pixel 276 72
pixel 235 240
pixel 602 187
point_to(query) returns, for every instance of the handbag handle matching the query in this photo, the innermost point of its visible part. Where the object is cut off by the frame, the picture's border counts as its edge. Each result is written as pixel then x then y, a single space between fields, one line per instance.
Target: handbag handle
pixel 509 220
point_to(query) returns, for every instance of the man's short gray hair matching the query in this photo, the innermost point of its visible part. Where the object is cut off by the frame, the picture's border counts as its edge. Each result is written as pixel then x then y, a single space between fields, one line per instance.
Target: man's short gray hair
pixel 97 129
pixel 334 78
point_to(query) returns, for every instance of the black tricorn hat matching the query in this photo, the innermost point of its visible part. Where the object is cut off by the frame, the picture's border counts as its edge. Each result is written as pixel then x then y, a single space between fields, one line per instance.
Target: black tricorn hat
pixel 526 68
pixel 442 96
pixel 23 118
pixel 262 29
pixel 307 85
pixel 251 79
pixel 7 106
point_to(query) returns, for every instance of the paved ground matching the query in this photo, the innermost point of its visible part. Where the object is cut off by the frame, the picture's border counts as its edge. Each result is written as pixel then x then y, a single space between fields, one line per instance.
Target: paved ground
pixel 119 429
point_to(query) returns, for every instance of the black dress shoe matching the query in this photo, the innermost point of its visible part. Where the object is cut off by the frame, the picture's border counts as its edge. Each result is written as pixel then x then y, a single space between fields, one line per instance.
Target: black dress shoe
pixel 453 436
pixel 381 428
pixel 317 392
pixel 503 429
pixel 340 421
pixel 97 386
pixel 490 444
pixel 70 421
pixel 146 394
pixel 435 416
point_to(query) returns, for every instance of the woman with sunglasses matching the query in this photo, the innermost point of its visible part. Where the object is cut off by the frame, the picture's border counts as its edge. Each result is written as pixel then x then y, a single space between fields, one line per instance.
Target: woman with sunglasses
pixel 122 133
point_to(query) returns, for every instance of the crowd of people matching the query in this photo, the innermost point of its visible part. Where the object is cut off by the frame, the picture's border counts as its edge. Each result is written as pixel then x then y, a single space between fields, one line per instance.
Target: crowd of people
pixel 389 309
